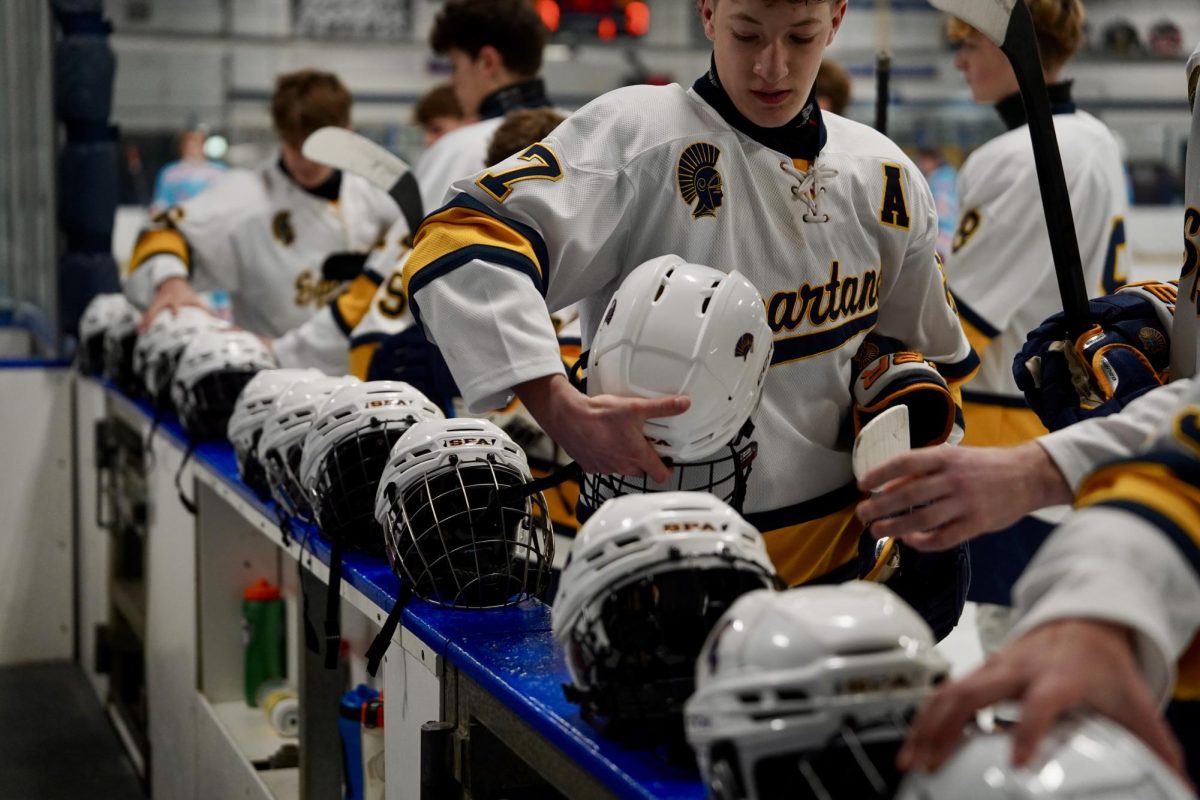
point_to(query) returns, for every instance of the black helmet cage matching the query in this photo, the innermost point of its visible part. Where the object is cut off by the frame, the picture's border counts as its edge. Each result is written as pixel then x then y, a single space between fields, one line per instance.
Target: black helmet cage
pixel 636 644
pixel 211 400
pixel 725 476
pixel 858 760
pixel 91 354
pixel 118 362
pixel 281 469
pixel 465 535
pixel 254 474
pixel 163 370
pixel 343 496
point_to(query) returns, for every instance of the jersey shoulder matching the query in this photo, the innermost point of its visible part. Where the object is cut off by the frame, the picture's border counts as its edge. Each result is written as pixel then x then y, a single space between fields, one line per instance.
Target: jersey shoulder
pixel 624 125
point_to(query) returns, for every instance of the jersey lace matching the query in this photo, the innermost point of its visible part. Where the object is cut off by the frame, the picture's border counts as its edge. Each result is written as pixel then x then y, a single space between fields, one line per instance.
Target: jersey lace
pixel 809 188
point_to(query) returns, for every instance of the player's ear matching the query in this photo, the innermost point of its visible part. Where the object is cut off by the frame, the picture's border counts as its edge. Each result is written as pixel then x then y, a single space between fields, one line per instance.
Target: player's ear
pixel 838 12
pixel 708 10
pixel 490 59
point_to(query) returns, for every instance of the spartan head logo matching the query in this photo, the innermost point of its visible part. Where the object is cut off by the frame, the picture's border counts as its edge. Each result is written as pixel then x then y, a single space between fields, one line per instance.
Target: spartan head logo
pixel 281 226
pixel 698 178
pixel 744 346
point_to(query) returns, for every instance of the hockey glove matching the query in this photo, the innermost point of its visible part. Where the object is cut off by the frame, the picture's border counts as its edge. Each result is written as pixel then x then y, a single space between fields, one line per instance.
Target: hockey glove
pixel 343 266
pixel 1124 354
pixel 408 356
pixel 934 584
pixel 886 375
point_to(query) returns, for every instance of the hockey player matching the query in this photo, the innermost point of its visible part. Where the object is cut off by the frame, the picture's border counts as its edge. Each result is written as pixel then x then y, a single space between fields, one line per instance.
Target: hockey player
pixel 1000 270
pixel 264 234
pixel 1109 605
pixel 495 51
pixel 828 219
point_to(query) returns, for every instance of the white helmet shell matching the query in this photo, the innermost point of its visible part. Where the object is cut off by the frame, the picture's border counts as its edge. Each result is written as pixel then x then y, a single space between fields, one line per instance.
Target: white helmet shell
pixel 782 672
pixel 457 519
pixel 254 406
pixel 638 535
pixel 679 328
pixel 280 447
pixel 1082 758
pixel 119 340
pixel 102 312
pixel 393 403
pixel 158 347
pixel 213 368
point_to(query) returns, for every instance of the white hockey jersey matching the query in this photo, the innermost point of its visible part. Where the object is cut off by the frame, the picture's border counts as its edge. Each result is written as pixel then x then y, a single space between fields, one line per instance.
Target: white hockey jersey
pixel 838 247
pixel 263 238
pixel 1000 269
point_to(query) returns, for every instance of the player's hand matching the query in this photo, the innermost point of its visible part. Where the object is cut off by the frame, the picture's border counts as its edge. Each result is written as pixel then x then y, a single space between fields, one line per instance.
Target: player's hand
pixel 602 434
pixel 1051 670
pixel 936 497
pixel 173 294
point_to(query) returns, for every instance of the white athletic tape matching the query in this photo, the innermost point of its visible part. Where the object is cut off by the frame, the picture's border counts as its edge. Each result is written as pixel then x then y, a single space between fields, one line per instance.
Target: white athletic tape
pixel 880 440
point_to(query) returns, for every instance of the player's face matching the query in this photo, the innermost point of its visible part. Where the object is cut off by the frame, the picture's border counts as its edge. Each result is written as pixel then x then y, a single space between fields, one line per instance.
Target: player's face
pixel 308 174
pixel 438 127
pixel 471 79
pixel 768 53
pixel 987 71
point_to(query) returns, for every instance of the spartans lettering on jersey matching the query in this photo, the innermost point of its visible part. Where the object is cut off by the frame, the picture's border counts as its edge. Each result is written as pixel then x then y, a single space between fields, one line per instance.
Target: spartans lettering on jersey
pixel 837 299
pixel 893 209
pixel 312 290
pixel 698 179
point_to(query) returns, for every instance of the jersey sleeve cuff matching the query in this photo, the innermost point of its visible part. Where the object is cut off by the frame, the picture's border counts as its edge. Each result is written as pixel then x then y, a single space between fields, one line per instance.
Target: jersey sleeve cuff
pixel 495 390
pixel 143 282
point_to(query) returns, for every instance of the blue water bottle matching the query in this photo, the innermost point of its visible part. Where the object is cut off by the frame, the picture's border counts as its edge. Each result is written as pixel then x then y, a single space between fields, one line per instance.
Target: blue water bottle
pixel 350 728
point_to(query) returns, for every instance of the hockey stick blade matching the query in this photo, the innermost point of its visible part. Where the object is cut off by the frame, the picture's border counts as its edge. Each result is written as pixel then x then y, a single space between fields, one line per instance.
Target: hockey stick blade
pixel 880 440
pixel 352 152
pixel 1009 24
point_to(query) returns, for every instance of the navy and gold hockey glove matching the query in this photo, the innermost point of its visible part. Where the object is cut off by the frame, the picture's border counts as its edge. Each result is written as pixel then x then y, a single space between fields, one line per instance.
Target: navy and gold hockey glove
pixel 885 375
pixel 410 357
pixel 1124 354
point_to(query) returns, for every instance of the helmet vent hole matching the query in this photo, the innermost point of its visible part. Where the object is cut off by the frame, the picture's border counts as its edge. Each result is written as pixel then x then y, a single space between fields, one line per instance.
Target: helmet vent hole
pixel 625 541
pixel 659 291
pixel 704 304
pixel 791 694
pixel 750 698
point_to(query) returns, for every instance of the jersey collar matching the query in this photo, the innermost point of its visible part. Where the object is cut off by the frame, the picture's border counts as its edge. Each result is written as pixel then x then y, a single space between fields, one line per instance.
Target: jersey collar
pixel 527 94
pixel 800 139
pixel 1012 110
pixel 329 190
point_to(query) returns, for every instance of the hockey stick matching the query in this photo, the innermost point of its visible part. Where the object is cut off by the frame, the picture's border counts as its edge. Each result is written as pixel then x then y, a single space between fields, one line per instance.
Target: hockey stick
pixel 1009 24
pixel 883 76
pixel 352 152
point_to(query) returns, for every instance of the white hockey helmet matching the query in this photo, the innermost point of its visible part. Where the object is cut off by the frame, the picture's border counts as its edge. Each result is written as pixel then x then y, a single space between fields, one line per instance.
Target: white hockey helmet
pixel 103 311
pixel 346 449
pixel 158 348
pixel 459 522
pixel 250 412
pixel 1082 758
pixel 646 578
pixel 807 693
pixel 281 445
pixel 679 328
pixel 213 368
pixel 119 340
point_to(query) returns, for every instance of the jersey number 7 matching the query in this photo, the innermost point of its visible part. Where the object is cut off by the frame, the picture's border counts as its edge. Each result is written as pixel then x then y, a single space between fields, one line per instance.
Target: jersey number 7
pixel 543 166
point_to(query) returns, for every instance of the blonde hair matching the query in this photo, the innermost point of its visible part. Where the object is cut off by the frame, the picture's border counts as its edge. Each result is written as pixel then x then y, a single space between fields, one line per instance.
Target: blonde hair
pixel 1057 23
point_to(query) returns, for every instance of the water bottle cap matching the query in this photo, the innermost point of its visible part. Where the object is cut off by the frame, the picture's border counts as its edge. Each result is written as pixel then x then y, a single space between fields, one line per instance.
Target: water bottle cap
pixel 260 591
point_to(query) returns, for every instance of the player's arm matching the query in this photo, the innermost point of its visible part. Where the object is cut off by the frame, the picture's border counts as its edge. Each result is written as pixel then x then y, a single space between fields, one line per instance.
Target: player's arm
pixel 191 246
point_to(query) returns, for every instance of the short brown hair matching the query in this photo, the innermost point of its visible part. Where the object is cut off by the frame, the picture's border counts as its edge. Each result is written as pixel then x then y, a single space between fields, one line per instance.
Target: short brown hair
pixel 833 83
pixel 306 100
pixel 520 129
pixel 440 101
pixel 1057 23
pixel 510 26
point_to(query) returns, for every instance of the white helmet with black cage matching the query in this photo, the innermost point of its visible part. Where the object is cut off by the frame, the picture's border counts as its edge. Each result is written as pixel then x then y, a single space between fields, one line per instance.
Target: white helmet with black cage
pixel 250 413
pixel 673 327
pixel 807 693
pixel 461 524
pixel 213 368
pixel 103 311
pixel 346 449
pixel 647 577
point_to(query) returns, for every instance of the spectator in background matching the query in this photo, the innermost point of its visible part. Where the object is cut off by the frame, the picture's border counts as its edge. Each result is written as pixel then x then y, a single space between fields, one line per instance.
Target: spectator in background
pixel 438 112
pixel 942 179
pixel 183 179
pixel 520 129
pixel 832 87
